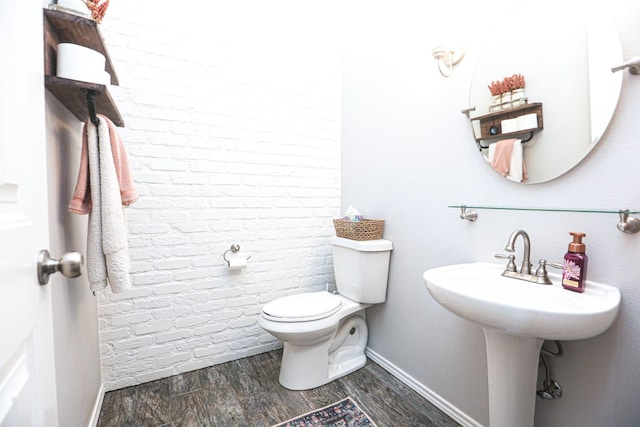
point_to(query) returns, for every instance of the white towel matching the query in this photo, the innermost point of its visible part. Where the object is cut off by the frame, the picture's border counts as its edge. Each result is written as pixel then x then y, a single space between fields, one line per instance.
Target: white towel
pixel 107 246
pixel 516 165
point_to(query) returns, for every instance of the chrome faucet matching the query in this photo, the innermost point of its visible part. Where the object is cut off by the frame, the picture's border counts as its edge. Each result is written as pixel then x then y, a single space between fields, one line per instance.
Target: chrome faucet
pixel 540 275
pixel 526 260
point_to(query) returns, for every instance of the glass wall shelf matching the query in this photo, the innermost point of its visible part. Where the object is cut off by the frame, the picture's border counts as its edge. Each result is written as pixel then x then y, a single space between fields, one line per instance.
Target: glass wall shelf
pixel 514 208
pixel 627 224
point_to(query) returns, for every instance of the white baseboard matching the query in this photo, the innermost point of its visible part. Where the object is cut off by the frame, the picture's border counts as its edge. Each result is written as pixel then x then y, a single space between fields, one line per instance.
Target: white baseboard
pixel 93 422
pixel 423 391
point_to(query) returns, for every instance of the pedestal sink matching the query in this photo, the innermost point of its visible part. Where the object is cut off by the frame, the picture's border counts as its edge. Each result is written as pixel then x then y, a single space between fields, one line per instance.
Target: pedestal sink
pixel 516 317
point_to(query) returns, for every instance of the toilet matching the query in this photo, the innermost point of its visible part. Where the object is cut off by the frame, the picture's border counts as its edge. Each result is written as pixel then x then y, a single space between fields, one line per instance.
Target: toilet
pixel 325 334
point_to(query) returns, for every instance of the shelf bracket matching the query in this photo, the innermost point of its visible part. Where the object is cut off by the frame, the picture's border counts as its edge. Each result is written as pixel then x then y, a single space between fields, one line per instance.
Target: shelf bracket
pixel 627 224
pixel 469 216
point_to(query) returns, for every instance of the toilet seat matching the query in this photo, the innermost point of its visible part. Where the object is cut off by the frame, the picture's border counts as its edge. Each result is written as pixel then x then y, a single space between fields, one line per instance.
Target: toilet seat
pixel 302 307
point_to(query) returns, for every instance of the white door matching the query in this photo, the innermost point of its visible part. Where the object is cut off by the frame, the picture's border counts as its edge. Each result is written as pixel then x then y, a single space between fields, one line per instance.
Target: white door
pixel 27 375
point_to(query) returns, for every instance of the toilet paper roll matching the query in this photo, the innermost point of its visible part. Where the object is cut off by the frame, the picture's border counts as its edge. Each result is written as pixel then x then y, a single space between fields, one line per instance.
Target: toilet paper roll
pixel 237 263
pixel 528 121
pixel 105 78
pixel 510 125
pixel 78 5
pixel 81 63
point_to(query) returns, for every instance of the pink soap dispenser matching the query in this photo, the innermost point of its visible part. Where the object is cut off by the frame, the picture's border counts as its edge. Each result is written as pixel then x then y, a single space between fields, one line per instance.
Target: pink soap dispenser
pixel 574 271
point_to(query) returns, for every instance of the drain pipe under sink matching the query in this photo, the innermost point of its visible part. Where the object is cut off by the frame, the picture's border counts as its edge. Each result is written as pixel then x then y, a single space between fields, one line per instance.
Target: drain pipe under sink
pixel 551 390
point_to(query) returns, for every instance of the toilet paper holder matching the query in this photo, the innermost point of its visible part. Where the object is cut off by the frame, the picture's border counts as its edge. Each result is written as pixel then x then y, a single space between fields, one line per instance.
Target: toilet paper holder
pixel 235 248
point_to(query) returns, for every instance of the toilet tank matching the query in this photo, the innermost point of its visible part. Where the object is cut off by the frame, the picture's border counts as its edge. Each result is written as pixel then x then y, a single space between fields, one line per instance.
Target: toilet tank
pixel 362 268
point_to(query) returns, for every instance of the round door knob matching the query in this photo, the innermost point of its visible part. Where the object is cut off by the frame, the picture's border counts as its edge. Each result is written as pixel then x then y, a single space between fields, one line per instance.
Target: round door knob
pixel 70 265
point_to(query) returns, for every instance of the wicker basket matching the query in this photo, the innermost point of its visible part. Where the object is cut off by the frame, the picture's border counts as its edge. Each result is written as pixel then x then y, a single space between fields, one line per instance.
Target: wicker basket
pixel 366 229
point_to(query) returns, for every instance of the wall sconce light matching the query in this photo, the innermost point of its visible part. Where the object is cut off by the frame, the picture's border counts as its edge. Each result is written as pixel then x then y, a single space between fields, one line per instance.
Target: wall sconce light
pixel 447 58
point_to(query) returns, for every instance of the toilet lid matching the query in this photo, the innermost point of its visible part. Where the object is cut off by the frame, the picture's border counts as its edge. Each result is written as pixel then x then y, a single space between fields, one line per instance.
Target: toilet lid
pixel 302 307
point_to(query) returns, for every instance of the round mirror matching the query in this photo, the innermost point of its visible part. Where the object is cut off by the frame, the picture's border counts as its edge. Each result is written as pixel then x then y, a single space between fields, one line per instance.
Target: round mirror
pixel 565 58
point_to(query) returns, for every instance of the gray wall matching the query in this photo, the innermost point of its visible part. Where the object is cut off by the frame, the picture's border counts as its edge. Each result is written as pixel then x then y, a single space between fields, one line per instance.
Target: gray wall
pixel 408 153
pixel 75 309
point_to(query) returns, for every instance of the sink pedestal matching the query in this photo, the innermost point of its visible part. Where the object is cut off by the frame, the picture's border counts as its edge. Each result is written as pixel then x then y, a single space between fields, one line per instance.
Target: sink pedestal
pixel 512 363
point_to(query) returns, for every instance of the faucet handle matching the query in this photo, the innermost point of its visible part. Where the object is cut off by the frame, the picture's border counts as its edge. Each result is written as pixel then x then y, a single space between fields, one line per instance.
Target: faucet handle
pixel 511 265
pixel 541 273
pixel 553 264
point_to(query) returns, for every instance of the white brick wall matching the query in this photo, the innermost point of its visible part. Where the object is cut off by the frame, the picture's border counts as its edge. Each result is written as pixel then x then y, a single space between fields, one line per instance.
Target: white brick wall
pixel 233 133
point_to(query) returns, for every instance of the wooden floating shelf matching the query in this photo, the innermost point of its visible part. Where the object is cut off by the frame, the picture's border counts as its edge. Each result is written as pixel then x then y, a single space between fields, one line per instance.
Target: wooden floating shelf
pixel 493 121
pixel 72 93
pixel 62 27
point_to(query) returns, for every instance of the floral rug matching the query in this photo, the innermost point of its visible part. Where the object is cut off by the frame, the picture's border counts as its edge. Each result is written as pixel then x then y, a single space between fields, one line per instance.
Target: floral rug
pixel 345 413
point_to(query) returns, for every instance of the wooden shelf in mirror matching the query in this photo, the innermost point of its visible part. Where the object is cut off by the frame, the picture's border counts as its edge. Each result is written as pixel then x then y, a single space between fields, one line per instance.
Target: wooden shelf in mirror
pixel 62 27
pixel 491 123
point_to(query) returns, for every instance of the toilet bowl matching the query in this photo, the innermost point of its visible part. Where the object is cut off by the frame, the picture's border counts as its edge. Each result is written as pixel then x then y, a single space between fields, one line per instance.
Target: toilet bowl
pixel 324 334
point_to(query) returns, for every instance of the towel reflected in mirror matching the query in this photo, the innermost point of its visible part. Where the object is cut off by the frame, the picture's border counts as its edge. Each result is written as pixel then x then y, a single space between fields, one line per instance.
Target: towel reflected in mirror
pixel 506 157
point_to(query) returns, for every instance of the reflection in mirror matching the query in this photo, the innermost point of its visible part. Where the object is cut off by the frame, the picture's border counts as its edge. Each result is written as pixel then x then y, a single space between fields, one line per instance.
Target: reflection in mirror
pixel 566 58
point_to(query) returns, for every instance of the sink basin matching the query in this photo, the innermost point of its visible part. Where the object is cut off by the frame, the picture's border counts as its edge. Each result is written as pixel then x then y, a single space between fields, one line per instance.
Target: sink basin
pixel 516 317
pixel 479 293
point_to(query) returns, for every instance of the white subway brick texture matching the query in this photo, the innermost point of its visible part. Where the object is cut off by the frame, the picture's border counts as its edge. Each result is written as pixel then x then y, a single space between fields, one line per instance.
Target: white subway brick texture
pixel 233 137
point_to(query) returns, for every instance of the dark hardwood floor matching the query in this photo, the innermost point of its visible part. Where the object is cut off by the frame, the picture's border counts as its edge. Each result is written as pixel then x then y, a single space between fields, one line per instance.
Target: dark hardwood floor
pixel 246 392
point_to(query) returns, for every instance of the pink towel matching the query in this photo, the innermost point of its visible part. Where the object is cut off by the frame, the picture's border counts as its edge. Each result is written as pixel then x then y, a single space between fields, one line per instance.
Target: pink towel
pixel 81 201
pixel 502 160
pixel 502 157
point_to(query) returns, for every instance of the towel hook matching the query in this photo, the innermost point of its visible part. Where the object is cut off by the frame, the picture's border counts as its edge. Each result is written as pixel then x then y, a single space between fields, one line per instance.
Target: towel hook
pixel 91 106
pixel 633 64
pixel 467 111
